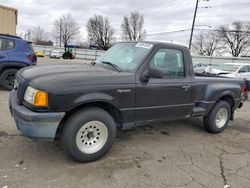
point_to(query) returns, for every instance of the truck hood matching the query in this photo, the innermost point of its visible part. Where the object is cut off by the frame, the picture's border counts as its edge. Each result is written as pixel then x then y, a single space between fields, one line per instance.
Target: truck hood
pixel 74 75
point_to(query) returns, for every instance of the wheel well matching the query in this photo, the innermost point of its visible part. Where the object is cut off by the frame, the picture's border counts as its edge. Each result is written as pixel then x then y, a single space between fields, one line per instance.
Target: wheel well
pixel 10 67
pixel 111 109
pixel 229 100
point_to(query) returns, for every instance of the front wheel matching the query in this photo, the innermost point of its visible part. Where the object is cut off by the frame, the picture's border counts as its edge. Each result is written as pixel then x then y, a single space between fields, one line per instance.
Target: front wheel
pixel 217 120
pixel 88 134
pixel 7 78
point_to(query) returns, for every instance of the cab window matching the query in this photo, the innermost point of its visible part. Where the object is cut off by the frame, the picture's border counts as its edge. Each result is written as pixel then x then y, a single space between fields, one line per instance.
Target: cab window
pixel 1 45
pixel 170 62
pixel 243 69
pixel 6 44
pixel 9 44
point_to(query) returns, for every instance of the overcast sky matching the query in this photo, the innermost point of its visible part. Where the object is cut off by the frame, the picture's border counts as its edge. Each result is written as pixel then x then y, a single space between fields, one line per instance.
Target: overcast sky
pixel 160 15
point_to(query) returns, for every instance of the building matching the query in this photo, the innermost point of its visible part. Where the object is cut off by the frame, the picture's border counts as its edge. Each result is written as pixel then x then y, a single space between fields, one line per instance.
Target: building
pixel 8 20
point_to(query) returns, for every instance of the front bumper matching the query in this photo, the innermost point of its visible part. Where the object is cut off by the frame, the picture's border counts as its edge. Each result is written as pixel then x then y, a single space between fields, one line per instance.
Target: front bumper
pixel 36 125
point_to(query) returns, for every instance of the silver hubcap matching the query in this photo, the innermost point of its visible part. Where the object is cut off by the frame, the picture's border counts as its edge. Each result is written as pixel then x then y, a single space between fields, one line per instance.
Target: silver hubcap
pixel 221 118
pixel 91 137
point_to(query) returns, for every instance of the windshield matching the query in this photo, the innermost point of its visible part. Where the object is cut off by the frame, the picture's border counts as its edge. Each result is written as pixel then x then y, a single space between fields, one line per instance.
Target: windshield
pixel 126 56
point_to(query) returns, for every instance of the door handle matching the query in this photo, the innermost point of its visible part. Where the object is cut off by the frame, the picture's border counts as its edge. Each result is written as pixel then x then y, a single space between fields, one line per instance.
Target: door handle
pixel 186 87
pixel 2 56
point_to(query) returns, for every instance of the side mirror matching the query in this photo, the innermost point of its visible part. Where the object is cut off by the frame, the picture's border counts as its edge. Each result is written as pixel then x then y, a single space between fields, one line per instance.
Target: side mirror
pixel 151 73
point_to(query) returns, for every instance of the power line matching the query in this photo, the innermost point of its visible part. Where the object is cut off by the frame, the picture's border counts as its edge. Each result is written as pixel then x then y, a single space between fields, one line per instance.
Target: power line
pixel 226 5
pixel 167 32
pixel 164 32
pixel 173 13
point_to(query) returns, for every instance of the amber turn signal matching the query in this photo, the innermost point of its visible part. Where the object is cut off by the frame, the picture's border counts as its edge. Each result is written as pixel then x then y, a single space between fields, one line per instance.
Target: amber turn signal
pixel 41 99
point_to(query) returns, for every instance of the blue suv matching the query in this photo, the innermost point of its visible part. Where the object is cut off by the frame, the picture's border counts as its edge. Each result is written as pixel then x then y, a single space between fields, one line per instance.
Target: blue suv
pixel 15 53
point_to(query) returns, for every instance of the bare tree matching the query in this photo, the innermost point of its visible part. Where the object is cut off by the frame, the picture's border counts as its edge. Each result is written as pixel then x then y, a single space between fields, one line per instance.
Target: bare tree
pixel 66 29
pixel 38 34
pixel 132 27
pixel 235 37
pixel 100 31
pixel 206 43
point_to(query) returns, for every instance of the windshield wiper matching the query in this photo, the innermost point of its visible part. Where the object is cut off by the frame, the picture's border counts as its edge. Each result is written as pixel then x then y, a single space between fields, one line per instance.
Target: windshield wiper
pixel 114 66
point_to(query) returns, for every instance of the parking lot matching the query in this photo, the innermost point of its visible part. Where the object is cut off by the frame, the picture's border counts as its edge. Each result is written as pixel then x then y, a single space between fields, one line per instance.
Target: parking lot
pixel 47 60
pixel 174 154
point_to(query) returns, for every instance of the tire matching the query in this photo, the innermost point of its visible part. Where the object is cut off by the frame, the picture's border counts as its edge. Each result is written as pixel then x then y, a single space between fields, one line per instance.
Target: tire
pixel 222 112
pixel 88 134
pixel 7 79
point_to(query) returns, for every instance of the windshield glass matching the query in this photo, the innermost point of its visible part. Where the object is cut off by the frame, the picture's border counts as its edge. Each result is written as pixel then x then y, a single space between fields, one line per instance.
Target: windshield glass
pixel 126 56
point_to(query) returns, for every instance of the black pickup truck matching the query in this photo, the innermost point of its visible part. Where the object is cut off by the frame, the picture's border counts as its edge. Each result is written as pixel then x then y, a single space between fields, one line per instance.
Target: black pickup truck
pixel 133 83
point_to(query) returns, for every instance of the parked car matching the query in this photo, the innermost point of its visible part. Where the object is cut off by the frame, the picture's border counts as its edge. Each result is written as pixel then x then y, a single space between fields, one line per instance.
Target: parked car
pixel 132 84
pixel 40 54
pixel 200 65
pixel 208 70
pixel 237 70
pixel 55 54
pixel 240 71
pixel 15 53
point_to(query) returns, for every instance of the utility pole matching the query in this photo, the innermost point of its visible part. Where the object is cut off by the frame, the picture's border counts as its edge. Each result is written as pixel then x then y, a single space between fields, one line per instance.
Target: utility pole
pixel 192 30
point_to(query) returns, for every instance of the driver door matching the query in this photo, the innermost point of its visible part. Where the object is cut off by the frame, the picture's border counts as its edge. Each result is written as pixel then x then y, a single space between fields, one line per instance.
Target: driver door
pixel 168 97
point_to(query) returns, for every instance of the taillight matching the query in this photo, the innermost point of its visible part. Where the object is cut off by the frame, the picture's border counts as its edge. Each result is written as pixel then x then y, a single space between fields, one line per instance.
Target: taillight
pixel 32 58
pixel 243 88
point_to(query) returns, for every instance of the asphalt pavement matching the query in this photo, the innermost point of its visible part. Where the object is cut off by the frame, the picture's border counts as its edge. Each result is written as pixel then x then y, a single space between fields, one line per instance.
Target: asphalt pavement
pixel 173 154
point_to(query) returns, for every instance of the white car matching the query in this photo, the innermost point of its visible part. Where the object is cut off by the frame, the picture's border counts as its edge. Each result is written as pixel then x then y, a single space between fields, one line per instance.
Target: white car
pixel 54 54
pixel 208 69
pixel 237 70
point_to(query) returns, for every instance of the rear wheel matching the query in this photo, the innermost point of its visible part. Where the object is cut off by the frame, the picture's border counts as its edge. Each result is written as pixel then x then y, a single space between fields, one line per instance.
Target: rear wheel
pixel 88 134
pixel 7 78
pixel 217 120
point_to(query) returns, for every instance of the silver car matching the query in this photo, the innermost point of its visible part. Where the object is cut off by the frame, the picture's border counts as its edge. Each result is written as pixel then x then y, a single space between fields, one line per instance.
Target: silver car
pixel 54 54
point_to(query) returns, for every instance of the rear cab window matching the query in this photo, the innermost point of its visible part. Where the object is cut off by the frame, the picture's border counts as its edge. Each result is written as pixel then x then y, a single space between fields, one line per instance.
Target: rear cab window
pixel 31 47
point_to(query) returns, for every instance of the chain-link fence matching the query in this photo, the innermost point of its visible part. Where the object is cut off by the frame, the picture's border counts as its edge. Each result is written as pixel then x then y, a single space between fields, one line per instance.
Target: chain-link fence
pixel 46 60
pixel 86 54
pixel 219 61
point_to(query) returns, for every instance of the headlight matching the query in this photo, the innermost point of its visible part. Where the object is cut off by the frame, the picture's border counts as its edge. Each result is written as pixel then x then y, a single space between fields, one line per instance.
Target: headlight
pixel 36 97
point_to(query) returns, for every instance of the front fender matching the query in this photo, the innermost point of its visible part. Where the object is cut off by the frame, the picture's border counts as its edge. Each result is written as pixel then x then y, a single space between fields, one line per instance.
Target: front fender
pixel 94 97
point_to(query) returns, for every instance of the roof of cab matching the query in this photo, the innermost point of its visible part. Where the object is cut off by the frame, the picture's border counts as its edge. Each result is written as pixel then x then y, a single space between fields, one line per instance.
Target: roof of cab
pixel 156 43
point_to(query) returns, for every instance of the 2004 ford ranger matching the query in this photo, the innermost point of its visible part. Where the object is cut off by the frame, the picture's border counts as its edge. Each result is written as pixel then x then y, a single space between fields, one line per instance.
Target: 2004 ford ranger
pixel 133 83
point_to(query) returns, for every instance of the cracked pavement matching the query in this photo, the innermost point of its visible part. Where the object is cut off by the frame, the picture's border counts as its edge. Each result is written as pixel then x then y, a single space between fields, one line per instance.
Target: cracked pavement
pixel 174 154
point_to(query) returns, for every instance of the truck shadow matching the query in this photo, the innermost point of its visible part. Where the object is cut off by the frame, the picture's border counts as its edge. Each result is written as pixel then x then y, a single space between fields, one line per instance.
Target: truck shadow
pixel 52 151
pixel 167 128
